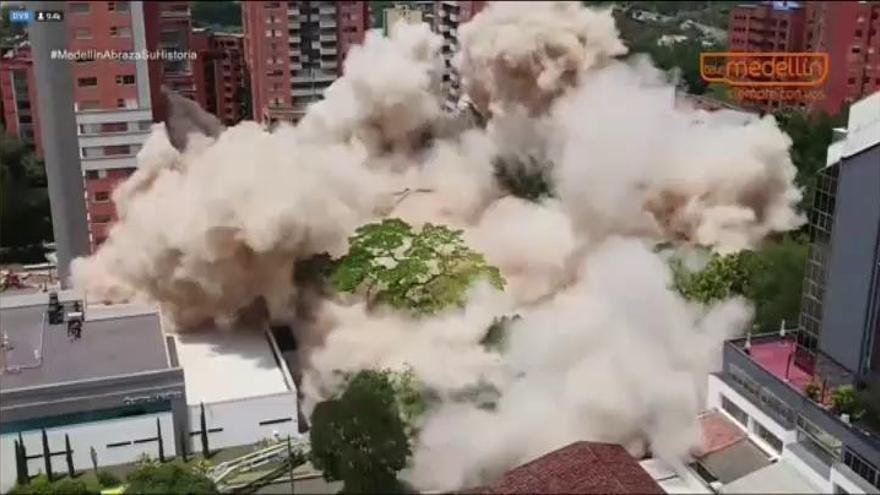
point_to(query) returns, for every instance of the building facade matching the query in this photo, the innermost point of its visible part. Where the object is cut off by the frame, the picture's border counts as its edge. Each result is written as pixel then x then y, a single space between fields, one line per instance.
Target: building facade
pixel 781 386
pixel 21 117
pixel 850 33
pixel 295 50
pixel 766 27
pixel 112 98
pixel 219 74
pixel 450 15
pixel 126 383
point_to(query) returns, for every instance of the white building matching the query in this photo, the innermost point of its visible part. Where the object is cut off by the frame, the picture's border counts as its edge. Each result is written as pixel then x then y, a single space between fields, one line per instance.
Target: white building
pixel 126 381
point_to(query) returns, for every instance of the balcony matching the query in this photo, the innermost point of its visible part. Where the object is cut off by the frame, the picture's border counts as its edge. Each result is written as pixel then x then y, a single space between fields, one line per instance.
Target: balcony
pixel 769 371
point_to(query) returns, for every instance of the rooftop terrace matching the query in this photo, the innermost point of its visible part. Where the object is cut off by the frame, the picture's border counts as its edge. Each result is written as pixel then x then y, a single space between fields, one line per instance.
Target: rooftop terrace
pixel 42 354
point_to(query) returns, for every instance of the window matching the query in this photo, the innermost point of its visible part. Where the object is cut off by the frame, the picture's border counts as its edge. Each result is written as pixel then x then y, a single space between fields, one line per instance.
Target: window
pixel 83 33
pixel 102 219
pixel 768 437
pixel 861 467
pixel 808 431
pixel 118 149
pixel 125 79
pixel 87 82
pixel 80 8
pixel 118 6
pixel 114 127
pixel 735 411
pixel 120 103
pixel 120 31
pixel 92 174
pixel 102 196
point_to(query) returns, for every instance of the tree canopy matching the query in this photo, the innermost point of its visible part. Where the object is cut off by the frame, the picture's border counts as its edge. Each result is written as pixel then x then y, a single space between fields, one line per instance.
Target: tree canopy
pixel 422 270
pixel 771 277
pixel 724 276
pixel 360 438
pixel 25 220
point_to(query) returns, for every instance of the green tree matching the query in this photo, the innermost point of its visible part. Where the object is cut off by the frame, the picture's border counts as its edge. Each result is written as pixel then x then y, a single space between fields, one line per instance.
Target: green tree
pixel 411 398
pixel 722 277
pixel 154 478
pixel 811 134
pixel 360 438
pixel 419 270
pixel 776 274
pixel 25 220
pixel 8 29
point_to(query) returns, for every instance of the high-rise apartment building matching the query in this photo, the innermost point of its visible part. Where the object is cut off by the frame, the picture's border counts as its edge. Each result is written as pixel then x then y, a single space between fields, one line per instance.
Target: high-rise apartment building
pixel 219 74
pixel 168 27
pixel 19 95
pixel 766 27
pixel 112 100
pixel 783 386
pixel 294 50
pixel 850 33
pixel 450 15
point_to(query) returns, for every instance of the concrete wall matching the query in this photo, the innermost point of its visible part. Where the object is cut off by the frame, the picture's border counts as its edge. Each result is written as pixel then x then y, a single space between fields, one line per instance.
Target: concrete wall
pixel 96 434
pixel 845 328
pixel 240 420
pixel 717 388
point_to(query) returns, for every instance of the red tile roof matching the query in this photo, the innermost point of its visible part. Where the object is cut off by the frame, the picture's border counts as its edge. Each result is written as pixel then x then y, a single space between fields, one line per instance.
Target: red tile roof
pixel 582 467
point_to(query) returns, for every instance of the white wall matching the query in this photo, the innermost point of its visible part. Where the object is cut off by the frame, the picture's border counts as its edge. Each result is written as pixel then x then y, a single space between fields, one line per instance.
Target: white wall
pixel 713 401
pixel 240 420
pixel 95 434
pixel 806 471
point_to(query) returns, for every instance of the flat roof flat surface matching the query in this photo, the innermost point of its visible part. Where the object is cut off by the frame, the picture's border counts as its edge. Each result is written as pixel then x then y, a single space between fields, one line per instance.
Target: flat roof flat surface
pixel 779 477
pixel 777 358
pixel 228 364
pixel 108 347
pixel 735 461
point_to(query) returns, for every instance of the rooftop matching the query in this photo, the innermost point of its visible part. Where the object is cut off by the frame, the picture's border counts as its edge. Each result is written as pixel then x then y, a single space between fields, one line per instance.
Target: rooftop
pixel 224 365
pixel 728 454
pixel 582 467
pixel 42 354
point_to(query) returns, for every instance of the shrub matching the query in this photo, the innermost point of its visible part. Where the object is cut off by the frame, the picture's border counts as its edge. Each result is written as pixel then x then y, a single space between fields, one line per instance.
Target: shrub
pixel 813 391
pixel 42 486
pixel 108 479
pixel 168 479
pixel 845 401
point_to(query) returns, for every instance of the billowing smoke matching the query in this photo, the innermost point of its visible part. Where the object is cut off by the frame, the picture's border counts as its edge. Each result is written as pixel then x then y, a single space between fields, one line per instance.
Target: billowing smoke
pixel 603 348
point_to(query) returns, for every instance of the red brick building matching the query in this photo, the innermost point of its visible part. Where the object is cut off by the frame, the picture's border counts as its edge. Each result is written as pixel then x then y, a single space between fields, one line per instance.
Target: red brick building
pixel 219 74
pixel 582 467
pixel 21 117
pixel 294 50
pixel 112 98
pixel 168 26
pixel 850 33
pixel 766 27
